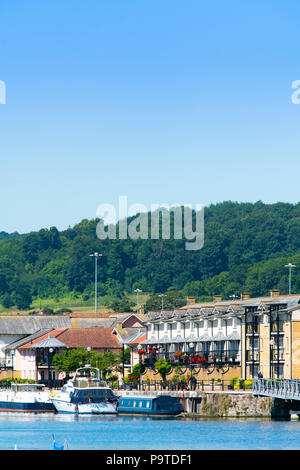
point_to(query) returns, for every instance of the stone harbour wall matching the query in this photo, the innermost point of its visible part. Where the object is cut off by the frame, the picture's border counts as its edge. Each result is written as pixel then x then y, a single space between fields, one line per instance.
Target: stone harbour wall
pixel 230 405
pixel 218 404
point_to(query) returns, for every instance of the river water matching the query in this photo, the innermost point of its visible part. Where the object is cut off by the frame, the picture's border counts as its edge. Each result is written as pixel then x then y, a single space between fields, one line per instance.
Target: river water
pixel 34 432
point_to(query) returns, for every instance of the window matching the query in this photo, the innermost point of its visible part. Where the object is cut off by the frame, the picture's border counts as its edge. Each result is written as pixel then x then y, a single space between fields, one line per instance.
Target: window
pixel 134 404
pixel 140 404
pixel 148 404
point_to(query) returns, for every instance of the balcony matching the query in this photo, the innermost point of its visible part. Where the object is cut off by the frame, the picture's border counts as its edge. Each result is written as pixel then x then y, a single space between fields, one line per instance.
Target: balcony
pixel 195 359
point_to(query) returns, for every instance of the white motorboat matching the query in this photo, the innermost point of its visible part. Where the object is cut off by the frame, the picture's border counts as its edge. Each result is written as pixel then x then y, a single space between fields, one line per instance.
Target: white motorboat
pixel 85 394
pixel 26 397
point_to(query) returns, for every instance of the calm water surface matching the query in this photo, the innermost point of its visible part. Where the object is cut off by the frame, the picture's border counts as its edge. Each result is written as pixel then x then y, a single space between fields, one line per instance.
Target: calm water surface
pixel 30 432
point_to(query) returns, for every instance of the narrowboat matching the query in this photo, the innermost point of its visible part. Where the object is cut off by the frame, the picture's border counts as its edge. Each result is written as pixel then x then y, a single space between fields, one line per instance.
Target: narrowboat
pixel 85 394
pixel 26 398
pixel 161 405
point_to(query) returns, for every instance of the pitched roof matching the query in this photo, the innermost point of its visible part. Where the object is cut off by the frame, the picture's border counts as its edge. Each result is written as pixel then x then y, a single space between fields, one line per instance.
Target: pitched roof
pixel 139 339
pixel 99 338
pixel 92 322
pixel 128 335
pixel 27 325
pixel 49 343
pixel 122 317
pixel 27 339
pixel 31 340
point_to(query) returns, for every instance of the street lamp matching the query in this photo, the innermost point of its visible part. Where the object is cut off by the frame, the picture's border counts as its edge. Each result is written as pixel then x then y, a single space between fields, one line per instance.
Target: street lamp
pixel 96 255
pixel 162 300
pixel 50 351
pixel 139 349
pixel 88 350
pixel 191 346
pixel 137 299
pixel 290 266
pixel 12 364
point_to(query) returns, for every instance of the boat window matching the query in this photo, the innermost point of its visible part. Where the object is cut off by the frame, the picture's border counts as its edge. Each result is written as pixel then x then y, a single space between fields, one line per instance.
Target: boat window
pixel 148 404
pixel 140 404
pixel 134 403
pixel 94 395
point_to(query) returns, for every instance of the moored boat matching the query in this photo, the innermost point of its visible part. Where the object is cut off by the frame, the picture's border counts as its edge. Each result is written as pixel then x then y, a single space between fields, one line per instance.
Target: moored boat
pixel 26 398
pixel 161 405
pixel 85 394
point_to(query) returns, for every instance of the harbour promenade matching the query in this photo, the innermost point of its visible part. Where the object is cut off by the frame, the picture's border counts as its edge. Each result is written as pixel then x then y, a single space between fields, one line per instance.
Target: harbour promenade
pixel 207 399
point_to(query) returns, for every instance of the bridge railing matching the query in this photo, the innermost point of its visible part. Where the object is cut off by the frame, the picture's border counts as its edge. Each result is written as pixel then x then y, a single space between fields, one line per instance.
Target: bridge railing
pixel 277 388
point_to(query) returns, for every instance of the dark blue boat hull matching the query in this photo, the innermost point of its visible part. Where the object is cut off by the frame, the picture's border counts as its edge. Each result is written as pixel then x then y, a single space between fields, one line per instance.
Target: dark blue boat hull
pixel 146 406
pixel 26 407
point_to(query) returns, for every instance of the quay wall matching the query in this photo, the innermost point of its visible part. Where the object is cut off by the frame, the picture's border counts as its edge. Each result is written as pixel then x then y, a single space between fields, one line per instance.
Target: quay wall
pixel 216 404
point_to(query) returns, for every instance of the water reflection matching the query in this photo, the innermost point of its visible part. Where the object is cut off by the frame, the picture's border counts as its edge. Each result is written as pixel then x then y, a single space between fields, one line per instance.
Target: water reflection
pixel 95 432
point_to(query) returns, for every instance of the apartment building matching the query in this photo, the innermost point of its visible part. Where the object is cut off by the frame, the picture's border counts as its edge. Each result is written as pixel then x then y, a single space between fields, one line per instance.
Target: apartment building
pixel 229 338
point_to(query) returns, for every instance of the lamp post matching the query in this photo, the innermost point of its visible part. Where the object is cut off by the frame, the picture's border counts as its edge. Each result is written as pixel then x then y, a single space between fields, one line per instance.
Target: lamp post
pixel 139 349
pixel 88 350
pixel 162 300
pixel 96 255
pixel 50 352
pixel 191 346
pixel 137 299
pixel 290 266
pixel 123 359
pixel 12 364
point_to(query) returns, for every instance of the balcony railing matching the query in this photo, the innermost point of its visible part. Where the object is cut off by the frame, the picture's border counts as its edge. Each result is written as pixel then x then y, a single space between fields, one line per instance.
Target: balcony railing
pixel 196 359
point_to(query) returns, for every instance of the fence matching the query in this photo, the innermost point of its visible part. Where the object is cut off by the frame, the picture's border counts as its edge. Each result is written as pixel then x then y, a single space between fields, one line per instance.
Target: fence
pixel 277 388
pixel 199 385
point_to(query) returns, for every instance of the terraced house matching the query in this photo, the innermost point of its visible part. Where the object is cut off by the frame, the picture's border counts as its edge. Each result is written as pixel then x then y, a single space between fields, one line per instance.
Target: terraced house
pixel 224 339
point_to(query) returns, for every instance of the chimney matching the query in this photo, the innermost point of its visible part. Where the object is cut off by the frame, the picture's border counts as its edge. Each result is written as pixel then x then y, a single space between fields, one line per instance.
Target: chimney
pixel 245 296
pixel 274 293
pixel 190 300
pixel 217 298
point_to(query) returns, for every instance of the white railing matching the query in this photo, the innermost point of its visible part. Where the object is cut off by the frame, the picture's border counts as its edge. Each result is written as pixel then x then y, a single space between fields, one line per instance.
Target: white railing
pixel 277 388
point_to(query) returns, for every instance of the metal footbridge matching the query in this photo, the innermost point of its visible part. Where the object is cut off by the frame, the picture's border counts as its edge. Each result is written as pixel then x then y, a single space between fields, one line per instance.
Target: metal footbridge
pixel 277 388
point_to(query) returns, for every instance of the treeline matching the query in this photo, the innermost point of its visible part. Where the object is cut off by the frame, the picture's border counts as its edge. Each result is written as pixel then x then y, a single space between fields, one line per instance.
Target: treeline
pixel 246 247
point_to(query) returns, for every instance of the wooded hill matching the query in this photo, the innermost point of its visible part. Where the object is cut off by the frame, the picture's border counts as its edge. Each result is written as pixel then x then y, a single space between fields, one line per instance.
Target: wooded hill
pixel 246 247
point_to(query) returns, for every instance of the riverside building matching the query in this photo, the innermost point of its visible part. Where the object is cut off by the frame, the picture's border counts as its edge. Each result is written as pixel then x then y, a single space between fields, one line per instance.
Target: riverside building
pixel 224 339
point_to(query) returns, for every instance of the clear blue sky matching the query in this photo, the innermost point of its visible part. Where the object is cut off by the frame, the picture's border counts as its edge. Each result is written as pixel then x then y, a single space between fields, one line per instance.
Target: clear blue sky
pixel 164 101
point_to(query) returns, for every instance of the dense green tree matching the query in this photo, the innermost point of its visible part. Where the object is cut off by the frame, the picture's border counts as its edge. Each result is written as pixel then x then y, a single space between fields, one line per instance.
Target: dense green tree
pixel 163 367
pixel 72 359
pixel 122 305
pixel 240 240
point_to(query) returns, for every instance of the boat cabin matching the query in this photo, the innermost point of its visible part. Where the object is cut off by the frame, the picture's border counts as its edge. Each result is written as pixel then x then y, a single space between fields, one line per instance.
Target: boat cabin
pixel 160 405
pixel 92 395
pixel 16 387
